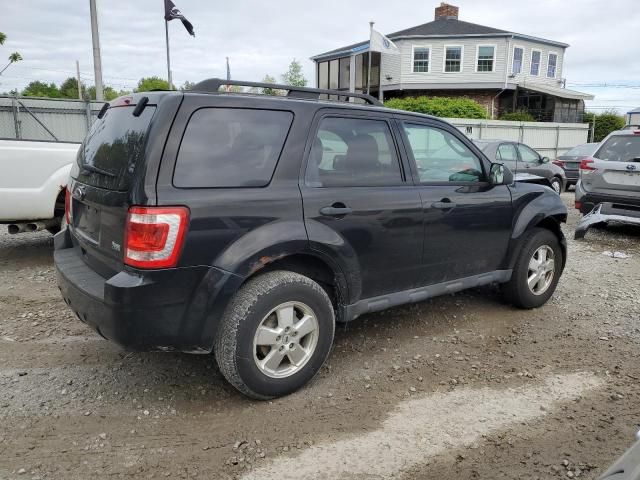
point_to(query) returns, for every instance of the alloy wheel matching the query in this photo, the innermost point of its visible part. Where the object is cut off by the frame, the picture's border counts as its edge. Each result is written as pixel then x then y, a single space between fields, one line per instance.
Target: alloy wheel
pixel 285 339
pixel 541 270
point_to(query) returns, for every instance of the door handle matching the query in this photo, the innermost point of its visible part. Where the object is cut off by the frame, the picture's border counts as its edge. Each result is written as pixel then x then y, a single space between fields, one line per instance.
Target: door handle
pixel 336 210
pixel 443 205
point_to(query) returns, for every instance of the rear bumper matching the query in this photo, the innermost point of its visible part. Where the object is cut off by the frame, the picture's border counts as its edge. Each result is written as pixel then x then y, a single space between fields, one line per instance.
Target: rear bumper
pixel 588 201
pixel 171 309
pixel 608 212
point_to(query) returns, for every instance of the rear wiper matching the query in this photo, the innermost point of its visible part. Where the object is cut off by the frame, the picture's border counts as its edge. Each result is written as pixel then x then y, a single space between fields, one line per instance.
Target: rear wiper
pixel 91 168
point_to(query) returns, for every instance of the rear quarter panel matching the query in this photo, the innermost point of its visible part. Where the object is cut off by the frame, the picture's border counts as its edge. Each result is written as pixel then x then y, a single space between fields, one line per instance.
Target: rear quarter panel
pixel 240 230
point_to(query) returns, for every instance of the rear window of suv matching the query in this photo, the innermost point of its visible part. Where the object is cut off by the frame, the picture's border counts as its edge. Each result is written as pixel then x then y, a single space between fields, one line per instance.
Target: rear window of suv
pixel 114 147
pixel 231 147
pixel 620 148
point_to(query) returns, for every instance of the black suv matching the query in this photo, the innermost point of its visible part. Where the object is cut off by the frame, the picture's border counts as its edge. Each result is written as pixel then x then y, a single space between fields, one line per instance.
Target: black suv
pixel 249 224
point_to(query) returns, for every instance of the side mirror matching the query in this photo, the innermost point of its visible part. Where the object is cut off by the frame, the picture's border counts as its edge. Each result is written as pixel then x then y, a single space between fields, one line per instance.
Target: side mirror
pixel 500 175
pixel 545 160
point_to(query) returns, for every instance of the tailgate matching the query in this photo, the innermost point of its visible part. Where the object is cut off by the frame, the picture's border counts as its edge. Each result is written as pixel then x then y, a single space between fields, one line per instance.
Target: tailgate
pixel 618 166
pixel 110 163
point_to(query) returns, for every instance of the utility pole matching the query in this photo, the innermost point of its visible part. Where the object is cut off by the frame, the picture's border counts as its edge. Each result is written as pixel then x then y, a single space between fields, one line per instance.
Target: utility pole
pixel 369 55
pixel 78 79
pixel 97 61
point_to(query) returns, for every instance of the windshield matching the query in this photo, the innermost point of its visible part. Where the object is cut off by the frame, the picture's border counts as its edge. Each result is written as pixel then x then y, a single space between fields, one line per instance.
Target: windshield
pixel 113 147
pixel 620 148
pixel 586 149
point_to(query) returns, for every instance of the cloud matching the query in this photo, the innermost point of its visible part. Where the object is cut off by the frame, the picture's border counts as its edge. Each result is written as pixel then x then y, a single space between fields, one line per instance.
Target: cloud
pixel 262 37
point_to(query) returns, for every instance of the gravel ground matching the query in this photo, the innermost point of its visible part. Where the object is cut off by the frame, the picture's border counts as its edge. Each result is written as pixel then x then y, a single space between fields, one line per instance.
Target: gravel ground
pixel 458 387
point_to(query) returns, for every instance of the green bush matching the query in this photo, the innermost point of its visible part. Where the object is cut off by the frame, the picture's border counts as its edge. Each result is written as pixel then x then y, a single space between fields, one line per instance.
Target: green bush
pixel 440 106
pixel 606 122
pixel 518 116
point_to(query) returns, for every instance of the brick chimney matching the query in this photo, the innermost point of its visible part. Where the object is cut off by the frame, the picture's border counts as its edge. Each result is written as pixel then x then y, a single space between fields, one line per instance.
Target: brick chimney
pixel 446 11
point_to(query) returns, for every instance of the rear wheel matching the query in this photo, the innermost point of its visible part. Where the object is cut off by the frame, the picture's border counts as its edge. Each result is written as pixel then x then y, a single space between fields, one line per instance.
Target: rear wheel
pixel 556 185
pixel 537 270
pixel 275 335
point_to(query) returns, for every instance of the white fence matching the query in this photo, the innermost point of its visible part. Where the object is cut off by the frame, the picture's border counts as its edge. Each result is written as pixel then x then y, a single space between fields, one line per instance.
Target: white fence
pixel 549 139
pixel 31 118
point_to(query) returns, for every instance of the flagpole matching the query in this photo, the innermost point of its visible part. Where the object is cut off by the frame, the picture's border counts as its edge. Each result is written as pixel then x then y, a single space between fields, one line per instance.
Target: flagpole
pixel 166 34
pixel 369 67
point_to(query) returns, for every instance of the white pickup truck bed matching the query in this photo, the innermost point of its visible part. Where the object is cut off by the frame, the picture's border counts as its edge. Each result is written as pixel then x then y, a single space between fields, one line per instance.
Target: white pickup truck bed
pixel 33 176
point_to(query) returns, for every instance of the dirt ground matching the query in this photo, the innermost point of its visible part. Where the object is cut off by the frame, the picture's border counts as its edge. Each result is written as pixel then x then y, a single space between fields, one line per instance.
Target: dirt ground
pixel 460 387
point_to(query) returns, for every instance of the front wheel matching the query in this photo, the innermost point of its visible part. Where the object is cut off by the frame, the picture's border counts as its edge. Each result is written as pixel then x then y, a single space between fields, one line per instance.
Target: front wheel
pixel 556 185
pixel 537 270
pixel 275 334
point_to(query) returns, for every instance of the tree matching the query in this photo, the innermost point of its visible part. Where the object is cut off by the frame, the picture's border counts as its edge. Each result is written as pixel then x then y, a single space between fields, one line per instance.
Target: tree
pixel 41 89
pixel 13 58
pixel 187 85
pixel 269 91
pixel 606 122
pixel 294 75
pixel 69 88
pixel 147 84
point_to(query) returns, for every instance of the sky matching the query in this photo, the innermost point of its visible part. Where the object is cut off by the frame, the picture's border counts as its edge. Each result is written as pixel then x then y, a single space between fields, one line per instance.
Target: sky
pixel 263 37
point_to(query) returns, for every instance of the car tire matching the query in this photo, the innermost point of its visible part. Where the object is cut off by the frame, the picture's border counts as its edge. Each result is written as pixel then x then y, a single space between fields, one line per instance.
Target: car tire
pixel 275 335
pixel 556 185
pixel 518 291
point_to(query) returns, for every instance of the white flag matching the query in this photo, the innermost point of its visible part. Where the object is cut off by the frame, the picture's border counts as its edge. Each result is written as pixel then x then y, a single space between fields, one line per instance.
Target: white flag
pixel 380 43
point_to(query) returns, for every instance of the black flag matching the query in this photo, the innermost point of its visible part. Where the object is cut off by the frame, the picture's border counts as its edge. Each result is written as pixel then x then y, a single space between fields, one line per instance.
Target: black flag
pixel 171 12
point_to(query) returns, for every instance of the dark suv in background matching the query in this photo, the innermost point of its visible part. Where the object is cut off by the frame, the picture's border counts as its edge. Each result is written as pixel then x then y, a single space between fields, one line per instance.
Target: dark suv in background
pixel 248 225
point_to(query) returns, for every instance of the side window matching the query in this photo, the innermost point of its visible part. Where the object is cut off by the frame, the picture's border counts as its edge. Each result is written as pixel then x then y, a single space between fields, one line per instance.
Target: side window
pixel 351 152
pixel 441 157
pixel 507 152
pixel 231 147
pixel 528 154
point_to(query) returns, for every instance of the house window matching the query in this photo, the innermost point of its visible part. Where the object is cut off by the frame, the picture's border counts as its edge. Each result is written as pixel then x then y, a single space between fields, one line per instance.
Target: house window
pixel 535 62
pixel 486 58
pixel 345 66
pixel 453 59
pixel 334 66
pixel 421 59
pixel 323 75
pixel 553 65
pixel 518 56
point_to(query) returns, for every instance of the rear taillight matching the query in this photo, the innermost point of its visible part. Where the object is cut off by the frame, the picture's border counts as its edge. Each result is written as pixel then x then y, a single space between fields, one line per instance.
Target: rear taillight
pixel 578 205
pixel 154 236
pixel 585 165
pixel 559 163
pixel 67 206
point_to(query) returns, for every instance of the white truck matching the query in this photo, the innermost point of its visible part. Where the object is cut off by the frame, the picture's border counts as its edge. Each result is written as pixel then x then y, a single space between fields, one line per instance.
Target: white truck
pixel 33 180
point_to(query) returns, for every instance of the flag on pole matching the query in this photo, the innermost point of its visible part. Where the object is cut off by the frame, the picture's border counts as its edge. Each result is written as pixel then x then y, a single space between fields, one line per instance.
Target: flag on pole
pixel 380 43
pixel 171 12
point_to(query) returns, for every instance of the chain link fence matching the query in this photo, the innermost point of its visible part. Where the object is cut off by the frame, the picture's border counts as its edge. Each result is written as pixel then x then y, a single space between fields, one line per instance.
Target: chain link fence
pixel 30 118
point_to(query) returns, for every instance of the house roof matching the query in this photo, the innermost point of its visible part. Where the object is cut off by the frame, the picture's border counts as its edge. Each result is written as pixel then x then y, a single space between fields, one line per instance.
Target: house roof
pixel 441 27
pixel 558 92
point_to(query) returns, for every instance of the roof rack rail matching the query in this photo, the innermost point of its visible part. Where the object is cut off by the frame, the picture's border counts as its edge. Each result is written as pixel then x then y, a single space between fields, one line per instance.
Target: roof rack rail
pixel 214 84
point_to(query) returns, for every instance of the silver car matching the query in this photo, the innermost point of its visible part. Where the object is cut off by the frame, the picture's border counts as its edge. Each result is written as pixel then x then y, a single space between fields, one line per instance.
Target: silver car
pixel 609 184
pixel 570 161
pixel 520 158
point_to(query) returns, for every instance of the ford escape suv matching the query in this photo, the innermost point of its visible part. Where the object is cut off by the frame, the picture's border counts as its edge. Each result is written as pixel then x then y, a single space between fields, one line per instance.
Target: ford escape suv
pixel 247 225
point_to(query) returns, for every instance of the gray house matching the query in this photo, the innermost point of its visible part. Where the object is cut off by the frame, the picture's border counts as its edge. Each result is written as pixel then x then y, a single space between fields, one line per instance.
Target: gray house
pixel 504 71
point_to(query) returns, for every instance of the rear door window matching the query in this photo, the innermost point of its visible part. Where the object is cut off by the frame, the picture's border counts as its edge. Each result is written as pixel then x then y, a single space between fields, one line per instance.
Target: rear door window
pixel 507 152
pixel 353 152
pixel 231 147
pixel 620 148
pixel 114 148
